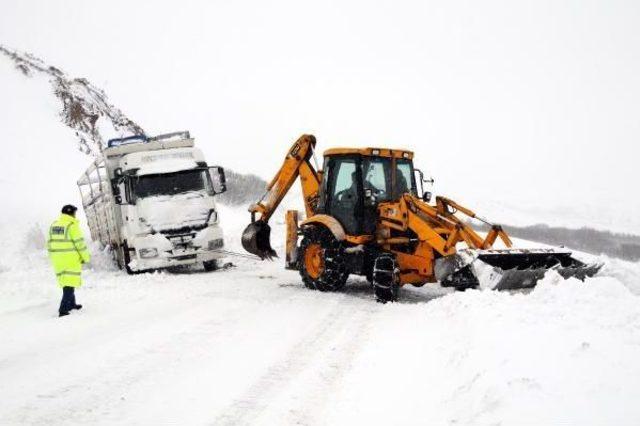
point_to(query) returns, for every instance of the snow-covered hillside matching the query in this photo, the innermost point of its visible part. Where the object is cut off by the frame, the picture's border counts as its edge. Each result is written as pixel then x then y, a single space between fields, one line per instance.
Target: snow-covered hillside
pixel 251 345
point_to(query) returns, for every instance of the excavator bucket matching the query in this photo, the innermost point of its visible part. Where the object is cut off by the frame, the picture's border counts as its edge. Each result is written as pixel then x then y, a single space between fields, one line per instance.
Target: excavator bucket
pixel 256 239
pixel 508 269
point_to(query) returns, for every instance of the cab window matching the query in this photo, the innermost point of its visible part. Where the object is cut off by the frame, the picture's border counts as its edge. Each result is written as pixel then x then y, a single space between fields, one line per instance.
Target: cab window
pixel 345 177
pixel 345 200
pixel 405 182
pixel 376 172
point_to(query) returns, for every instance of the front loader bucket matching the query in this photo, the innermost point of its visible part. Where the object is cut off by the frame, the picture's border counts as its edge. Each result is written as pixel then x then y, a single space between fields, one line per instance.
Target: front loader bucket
pixel 508 269
pixel 256 239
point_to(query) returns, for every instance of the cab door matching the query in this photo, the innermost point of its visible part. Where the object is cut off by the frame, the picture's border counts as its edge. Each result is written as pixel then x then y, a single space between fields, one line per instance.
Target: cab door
pixel 343 192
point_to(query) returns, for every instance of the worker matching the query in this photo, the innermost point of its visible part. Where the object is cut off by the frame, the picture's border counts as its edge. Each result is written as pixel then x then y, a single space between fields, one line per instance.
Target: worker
pixel 352 192
pixel 68 252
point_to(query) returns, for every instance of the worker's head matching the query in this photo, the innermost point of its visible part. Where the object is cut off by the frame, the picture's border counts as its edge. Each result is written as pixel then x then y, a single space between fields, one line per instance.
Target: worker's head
pixel 70 210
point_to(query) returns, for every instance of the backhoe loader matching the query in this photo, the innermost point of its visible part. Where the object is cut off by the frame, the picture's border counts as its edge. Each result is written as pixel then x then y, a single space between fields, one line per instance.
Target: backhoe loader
pixel 364 216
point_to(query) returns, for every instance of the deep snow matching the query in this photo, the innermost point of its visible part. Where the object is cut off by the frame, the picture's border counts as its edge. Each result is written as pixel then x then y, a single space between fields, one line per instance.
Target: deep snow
pixel 251 345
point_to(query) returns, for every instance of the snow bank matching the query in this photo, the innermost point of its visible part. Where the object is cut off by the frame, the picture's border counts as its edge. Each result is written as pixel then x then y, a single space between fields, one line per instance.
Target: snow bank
pixel 566 353
pixel 627 273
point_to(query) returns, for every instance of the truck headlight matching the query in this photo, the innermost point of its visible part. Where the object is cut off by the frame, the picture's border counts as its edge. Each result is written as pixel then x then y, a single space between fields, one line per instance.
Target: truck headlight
pixel 213 217
pixel 216 244
pixel 147 253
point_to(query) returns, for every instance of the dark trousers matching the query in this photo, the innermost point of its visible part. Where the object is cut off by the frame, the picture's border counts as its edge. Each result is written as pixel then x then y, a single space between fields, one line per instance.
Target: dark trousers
pixel 68 301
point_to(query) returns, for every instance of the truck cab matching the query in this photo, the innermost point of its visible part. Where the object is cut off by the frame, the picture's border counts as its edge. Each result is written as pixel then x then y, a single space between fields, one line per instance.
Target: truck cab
pixel 160 195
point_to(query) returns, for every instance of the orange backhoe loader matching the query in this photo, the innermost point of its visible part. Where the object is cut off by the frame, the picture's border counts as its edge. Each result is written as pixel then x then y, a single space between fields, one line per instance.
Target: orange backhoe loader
pixel 364 216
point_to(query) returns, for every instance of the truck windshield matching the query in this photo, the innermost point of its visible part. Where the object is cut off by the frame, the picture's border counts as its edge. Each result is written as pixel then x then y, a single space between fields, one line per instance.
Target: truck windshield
pixel 196 180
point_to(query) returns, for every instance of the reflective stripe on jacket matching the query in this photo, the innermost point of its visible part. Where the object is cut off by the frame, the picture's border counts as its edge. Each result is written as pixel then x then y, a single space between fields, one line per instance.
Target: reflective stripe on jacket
pixel 67 250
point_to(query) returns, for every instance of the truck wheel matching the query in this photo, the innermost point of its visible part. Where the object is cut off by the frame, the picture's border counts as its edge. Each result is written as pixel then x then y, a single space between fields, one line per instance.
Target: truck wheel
pixel 385 279
pixel 322 260
pixel 210 265
pixel 115 255
pixel 126 257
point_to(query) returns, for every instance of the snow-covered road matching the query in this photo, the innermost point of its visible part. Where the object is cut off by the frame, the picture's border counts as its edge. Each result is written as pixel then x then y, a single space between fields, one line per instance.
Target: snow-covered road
pixel 251 345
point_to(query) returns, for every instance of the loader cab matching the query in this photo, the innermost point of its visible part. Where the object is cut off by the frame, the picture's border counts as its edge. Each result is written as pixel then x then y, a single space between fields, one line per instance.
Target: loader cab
pixel 355 181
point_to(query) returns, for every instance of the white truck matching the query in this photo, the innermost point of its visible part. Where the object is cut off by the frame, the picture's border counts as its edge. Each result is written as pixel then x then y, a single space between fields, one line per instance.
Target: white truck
pixel 151 200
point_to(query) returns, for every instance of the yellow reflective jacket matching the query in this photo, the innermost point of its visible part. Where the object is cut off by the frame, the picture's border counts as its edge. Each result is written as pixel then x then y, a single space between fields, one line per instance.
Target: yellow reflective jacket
pixel 67 250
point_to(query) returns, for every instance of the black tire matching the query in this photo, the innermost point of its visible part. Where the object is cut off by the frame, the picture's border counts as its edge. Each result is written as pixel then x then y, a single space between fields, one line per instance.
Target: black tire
pixel 369 276
pixel 385 278
pixel 126 257
pixel 116 254
pixel 211 265
pixel 333 273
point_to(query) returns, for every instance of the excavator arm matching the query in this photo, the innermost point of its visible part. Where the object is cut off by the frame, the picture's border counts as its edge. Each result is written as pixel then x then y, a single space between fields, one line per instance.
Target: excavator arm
pixel 438 225
pixel 449 207
pixel 256 237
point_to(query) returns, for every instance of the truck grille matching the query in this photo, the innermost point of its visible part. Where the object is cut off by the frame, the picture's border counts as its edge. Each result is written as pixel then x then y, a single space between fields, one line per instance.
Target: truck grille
pixel 182 241
pixel 216 244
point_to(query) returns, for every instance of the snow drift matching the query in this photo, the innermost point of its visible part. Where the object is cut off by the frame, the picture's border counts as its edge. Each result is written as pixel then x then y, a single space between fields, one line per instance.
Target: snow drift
pixel 251 345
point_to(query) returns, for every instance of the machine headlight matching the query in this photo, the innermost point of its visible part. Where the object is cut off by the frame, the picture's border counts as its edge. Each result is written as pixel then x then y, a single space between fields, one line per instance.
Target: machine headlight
pixel 216 244
pixel 147 253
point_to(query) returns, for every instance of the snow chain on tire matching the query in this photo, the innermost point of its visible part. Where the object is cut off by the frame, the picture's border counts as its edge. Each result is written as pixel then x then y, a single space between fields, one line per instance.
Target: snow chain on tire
pixel 385 278
pixel 334 273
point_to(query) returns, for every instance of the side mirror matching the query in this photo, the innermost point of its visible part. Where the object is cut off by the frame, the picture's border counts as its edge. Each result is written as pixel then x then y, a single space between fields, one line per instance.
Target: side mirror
pixel 218 179
pixel 119 189
pixel 426 197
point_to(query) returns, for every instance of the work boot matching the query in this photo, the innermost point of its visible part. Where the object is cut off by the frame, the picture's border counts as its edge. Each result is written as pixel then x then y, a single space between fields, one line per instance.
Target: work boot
pixel 62 314
pixel 77 307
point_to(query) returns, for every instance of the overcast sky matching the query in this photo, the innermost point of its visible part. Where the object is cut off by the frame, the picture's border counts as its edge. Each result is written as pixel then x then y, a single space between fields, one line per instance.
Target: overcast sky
pixel 535 100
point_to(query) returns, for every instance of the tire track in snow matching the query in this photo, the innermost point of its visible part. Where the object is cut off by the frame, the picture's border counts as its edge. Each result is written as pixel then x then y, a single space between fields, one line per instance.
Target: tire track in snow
pixel 331 371
pixel 345 322
pixel 100 390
